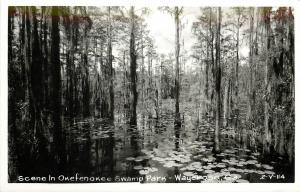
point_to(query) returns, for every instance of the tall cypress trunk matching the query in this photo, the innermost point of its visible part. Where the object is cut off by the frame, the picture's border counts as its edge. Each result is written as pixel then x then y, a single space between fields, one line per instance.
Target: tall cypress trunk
pixel 206 75
pixel 225 102
pixel 86 86
pixel 133 65
pixel 251 94
pixel 267 132
pixel 212 56
pixel 22 54
pixel 58 133
pixel 110 68
pixel 37 86
pixel 45 58
pixel 142 66
pixel 236 81
pixel 11 72
pixel 70 66
pixel 177 51
pixel 218 85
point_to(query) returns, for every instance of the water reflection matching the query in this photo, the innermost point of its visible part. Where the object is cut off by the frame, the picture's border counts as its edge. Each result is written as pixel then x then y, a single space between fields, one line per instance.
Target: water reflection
pixel 164 146
pixel 177 127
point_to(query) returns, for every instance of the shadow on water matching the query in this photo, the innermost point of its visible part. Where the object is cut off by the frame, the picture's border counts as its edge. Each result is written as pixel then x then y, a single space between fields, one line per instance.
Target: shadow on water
pixel 104 152
pixel 177 127
pixel 163 147
pixel 177 130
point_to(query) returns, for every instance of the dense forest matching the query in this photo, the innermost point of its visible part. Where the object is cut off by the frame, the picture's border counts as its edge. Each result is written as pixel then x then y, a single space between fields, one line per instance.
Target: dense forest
pixel 90 93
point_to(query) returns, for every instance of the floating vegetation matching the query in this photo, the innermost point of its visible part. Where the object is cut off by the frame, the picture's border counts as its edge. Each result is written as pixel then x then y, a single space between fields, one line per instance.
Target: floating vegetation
pixel 230 151
pixel 267 166
pixel 225 160
pixel 183 169
pixel 251 162
pixel 221 165
pixel 240 170
pixel 151 169
pixel 232 162
pixel 221 155
pixel 232 169
pixel 236 176
pixel 208 171
pixel 138 167
pixel 207 167
pixel 188 174
pixel 258 165
pixel 195 159
pixel 260 172
pixel 256 154
pixel 209 159
pixel 138 159
pixel 130 158
pixel 144 172
pixel 158 159
pixel 270 172
pixel 194 166
pixel 242 181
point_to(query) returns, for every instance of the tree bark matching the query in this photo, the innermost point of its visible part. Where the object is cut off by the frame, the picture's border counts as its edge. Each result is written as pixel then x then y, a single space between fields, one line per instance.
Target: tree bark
pixel 177 51
pixel 216 148
pixel 110 68
pixel 133 65
pixel 58 133
pixel 251 94
pixel 267 133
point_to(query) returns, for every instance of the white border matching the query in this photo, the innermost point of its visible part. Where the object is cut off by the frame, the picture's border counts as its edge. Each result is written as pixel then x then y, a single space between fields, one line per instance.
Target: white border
pixel 4 186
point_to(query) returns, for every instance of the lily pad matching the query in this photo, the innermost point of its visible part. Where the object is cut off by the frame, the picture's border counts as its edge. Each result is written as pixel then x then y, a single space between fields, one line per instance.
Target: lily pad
pixel 230 151
pixel 267 166
pixel 144 172
pixel 232 169
pixel 221 165
pixel 225 160
pixel 183 169
pixel 270 172
pixel 138 167
pixel 130 158
pixel 152 169
pixel 188 173
pixel 260 172
pixel 208 171
pixel 236 176
pixel 251 162
pixel 139 159
pixel 258 165
pixel 199 169
pixel 242 181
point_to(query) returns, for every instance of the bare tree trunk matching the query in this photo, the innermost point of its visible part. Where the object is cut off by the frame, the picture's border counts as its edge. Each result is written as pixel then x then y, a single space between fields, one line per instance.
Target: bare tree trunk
pixel 236 81
pixel 212 97
pixel 58 133
pixel 225 103
pixel 143 67
pixel 110 68
pixel 177 51
pixel 206 75
pixel 70 66
pixel 218 84
pixel 267 133
pixel 251 94
pixel 86 86
pixel 133 65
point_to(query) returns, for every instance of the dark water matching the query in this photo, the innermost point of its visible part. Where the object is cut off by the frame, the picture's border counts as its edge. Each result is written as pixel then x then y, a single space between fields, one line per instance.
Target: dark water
pixel 155 151
pixel 160 150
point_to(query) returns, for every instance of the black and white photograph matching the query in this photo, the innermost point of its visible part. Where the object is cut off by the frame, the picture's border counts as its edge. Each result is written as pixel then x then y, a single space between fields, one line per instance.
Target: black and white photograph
pixel 145 94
